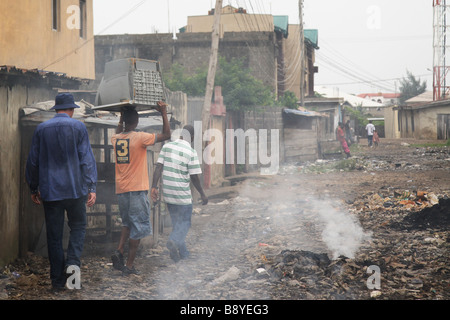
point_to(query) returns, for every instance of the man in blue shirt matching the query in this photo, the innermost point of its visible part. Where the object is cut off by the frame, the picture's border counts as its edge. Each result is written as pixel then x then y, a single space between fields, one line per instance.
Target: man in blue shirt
pixel 62 173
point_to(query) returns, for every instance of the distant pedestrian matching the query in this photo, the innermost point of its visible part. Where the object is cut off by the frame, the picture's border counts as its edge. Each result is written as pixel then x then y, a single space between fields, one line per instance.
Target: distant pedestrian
pixel 370 129
pixel 376 138
pixel 132 183
pixel 178 165
pixel 61 171
pixel 341 138
pixel 348 133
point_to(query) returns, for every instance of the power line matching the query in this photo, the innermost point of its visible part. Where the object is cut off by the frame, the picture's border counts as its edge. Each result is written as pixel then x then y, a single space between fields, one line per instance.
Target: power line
pixel 252 45
pixel 355 73
pixel 374 81
pixel 350 73
pixel 346 60
pixel 346 73
pixel 247 27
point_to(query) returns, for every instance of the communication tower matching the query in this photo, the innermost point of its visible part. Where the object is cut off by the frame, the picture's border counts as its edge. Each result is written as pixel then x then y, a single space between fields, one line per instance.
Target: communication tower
pixel 441 43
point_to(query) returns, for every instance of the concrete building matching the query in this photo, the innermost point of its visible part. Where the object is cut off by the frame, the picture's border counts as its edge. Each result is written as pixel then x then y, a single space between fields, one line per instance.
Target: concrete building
pixel 420 118
pixel 424 121
pixel 288 42
pixel 268 44
pixel 372 108
pixel 392 122
pixel 231 20
pixel 44 50
pixel 48 35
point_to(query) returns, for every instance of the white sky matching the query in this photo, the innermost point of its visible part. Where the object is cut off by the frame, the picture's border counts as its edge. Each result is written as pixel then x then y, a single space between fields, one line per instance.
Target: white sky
pixel 365 45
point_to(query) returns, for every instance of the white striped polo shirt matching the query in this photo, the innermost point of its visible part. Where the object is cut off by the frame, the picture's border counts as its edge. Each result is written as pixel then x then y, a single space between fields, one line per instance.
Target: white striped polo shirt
pixel 180 161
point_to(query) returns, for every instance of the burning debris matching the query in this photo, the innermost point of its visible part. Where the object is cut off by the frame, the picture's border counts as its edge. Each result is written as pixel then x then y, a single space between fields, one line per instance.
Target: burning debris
pixel 319 276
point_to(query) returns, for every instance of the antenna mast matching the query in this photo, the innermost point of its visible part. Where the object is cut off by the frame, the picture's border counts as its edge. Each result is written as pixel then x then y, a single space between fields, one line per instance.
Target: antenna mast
pixel 441 85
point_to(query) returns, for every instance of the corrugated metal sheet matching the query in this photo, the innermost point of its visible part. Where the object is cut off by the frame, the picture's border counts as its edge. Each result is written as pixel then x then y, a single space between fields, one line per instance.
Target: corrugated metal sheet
pixel 40 112
pixel 303 113
pixel 281 24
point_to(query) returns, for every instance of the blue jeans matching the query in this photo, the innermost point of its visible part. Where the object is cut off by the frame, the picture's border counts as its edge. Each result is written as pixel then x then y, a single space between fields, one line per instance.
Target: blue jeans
pixel 370 140
pixel 54 220
pixel 181 223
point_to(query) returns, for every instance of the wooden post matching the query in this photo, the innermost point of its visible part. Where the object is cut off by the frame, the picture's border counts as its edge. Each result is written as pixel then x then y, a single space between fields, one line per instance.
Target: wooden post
pixel 212 66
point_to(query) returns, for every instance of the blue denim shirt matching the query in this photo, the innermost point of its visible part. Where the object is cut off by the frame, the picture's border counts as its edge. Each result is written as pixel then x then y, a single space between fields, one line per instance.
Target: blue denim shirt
pixel 61 164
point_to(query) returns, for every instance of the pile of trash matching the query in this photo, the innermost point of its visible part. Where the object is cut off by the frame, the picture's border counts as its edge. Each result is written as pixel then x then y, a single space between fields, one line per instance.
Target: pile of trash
pixel 438 152
pixel 390 200
pixel 436 216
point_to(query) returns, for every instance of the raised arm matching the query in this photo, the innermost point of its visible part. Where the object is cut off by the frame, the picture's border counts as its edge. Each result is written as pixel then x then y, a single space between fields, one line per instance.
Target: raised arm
pixel 165 134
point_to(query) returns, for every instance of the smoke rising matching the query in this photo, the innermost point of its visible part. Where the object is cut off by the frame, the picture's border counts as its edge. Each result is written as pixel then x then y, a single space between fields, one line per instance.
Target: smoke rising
pixel 318 225
pixel 342 233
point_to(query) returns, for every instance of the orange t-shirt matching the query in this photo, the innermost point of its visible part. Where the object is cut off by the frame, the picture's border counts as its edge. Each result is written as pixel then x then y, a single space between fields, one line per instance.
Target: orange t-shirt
pixel 130 150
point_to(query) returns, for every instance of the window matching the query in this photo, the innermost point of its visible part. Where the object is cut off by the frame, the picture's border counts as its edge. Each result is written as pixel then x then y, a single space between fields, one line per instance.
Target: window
pixel 83 19
pixel 55 15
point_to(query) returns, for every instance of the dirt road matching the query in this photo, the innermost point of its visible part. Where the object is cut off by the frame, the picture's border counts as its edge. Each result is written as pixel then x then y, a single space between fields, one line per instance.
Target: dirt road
pixel 375 226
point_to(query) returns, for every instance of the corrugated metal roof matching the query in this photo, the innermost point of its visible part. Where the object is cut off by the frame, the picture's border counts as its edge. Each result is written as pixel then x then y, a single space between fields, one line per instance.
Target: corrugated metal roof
pixel 303 113
pixel 11 75
pixel 312 37
pixel 42 73
pixel 40 112
pixel 425 97
pixel 281 24
pixel 351 99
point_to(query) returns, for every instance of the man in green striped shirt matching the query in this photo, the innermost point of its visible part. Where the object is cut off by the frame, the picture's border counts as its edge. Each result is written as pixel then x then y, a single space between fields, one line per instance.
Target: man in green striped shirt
pixel 179 165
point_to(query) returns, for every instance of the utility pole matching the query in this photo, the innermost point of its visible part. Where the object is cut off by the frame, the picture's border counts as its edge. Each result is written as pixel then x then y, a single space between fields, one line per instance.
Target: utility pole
pixel 212 66
pixel 168 16
pixel 302 54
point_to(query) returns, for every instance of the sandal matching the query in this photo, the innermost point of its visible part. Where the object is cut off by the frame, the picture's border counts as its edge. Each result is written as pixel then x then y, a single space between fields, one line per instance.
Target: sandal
pixel 117 260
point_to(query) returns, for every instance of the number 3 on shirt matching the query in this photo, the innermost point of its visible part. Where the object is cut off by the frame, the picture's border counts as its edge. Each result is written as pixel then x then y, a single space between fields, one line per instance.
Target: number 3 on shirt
pixel 123 151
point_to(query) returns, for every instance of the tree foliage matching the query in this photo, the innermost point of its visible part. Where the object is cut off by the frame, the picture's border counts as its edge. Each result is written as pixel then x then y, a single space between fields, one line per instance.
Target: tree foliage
pixel 239 88
pixel 411 87
pixel 289 100
pixel 193 85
